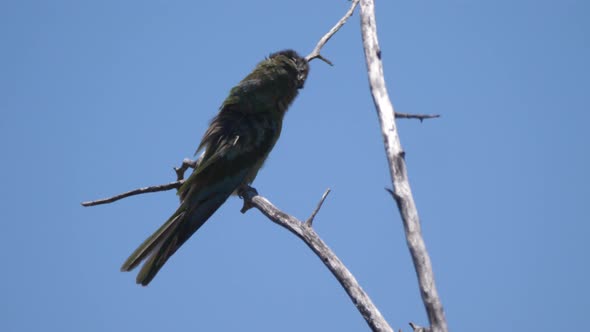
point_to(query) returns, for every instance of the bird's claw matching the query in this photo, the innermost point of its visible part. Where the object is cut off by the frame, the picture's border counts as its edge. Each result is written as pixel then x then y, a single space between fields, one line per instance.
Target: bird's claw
pixel 242 191
pixel 246 193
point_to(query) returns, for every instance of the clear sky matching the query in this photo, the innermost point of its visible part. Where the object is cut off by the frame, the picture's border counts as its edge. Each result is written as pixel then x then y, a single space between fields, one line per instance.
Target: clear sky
pixel 100 97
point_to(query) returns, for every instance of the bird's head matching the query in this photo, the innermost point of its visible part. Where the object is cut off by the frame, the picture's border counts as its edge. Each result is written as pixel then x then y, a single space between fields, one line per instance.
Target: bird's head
pixel 293 63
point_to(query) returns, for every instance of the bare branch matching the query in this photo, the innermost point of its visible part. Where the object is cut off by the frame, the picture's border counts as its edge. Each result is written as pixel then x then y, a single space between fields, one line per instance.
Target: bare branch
pixel 315 54
pixel 397 167
pixel 301 229
pixel 420 117
pixel 358 296
pixel 309 220
pixel 418 328
pixel 186 164
pixel 144 190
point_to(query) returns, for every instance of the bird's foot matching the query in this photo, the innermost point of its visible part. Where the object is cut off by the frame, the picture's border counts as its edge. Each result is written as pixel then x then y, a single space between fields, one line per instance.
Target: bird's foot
pixel 246 193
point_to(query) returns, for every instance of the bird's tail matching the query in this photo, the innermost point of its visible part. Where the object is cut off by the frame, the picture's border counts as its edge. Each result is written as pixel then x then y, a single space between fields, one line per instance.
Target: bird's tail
pixel 158 248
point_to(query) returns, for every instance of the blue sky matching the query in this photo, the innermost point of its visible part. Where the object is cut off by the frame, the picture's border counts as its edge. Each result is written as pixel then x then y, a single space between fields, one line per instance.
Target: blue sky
pixel 99 97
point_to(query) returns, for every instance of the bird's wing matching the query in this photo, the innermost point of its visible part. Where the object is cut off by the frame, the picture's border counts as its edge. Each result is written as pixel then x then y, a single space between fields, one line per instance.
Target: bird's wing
pixel 208 187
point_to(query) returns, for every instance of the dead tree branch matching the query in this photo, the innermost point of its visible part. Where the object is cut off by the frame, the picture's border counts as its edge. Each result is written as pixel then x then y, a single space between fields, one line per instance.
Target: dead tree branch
pixel 397 167
pixel 186 164
pixel 303 230
pixel 139 191
pixel 420 117
pixel 309 220
pixel 306 233
pixel 315 54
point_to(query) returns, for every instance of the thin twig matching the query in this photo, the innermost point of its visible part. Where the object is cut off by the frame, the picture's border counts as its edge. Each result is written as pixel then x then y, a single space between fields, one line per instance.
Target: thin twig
pixel 144 190
pixel 420 117
pixel 186 164
pixel 358 296
pixel 401 192
pixel 315 54
pixel 309 220
pixel 418 328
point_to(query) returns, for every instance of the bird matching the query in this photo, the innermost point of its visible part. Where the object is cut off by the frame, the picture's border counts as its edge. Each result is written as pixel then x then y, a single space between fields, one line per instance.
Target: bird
pixel 234 148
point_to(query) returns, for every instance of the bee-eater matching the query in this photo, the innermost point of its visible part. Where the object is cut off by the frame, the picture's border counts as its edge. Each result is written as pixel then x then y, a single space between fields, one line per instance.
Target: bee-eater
pixel 235 146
